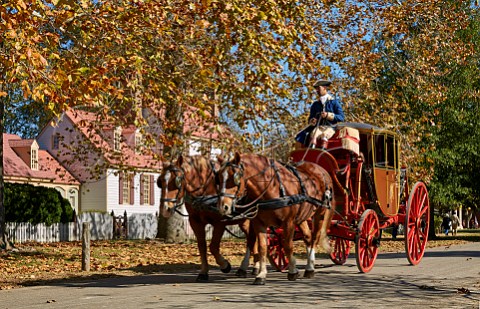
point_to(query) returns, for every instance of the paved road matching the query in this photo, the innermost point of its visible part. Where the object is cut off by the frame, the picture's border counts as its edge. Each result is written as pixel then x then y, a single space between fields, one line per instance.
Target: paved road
pixel 392 283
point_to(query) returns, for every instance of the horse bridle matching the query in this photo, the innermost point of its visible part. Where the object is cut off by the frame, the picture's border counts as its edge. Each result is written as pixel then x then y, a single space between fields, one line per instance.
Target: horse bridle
pixel 238 171
pixel 179 184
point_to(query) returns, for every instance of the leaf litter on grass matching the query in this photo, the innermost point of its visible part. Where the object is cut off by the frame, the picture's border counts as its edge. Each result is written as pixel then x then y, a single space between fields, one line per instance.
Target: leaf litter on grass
pixel 40 263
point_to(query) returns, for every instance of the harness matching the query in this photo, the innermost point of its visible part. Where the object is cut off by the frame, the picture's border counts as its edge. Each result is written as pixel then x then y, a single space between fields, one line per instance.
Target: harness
pixel 198 202
pixel 250 209
pixel 289 200
pixel 206 202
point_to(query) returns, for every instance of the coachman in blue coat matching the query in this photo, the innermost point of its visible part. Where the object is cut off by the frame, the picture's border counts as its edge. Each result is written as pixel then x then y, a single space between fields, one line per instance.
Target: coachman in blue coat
pixel 324 113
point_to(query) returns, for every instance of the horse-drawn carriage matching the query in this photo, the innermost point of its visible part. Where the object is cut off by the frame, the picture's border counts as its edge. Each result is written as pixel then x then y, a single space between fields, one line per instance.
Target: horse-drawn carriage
pixel 371 194
pixel 348 192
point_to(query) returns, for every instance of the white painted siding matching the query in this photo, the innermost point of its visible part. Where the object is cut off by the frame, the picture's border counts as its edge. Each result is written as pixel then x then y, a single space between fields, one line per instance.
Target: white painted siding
pixel 113 196
pixel 93 196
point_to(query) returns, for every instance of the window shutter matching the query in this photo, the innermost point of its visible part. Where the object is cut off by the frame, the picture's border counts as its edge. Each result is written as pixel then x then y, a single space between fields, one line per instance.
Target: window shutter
pixel 142 193
pixel 132 190
pixel 120 188
pixel 152 190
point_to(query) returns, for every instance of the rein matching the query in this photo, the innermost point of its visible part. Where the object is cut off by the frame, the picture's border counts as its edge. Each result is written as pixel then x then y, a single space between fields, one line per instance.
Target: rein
pixel 178 201
pixel 251 208
pixel 254 202
pixel 207 202
pixel 209 178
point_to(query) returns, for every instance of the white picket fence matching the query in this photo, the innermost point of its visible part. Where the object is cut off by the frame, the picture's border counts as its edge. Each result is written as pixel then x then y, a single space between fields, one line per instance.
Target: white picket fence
pixel 102 228
pixel 25 232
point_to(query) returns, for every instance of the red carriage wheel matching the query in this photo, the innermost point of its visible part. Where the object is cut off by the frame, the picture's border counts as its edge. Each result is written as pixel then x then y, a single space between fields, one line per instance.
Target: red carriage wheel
pixel 417 221
pixel 340 251
pixel 366 245
pixel 276 253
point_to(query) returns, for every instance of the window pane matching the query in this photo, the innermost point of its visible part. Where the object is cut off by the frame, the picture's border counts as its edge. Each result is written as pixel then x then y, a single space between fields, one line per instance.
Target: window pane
pixel 146 189
pixel 380 150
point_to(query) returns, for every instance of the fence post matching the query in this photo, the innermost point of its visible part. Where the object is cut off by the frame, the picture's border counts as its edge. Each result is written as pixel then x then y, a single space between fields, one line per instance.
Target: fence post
pixel 86 246
pixel 125 221
pixel 75 226
pixel 114 225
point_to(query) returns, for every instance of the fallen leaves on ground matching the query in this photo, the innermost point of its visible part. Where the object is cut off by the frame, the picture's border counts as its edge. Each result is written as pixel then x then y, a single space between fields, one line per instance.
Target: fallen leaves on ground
pixel 40 263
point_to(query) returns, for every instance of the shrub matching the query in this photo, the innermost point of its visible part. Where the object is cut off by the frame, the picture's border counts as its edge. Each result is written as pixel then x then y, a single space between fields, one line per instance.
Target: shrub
pixel 35 204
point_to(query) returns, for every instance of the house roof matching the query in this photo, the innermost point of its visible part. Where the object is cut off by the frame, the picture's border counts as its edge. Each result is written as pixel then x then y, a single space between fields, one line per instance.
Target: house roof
pixel 20 143
pixel 49 169
pixel 196 125
pixel 87 124
pixel 99 134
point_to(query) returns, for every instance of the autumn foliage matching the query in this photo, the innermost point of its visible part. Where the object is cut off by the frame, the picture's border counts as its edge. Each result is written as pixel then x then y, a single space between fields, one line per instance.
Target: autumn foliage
pixel 246 64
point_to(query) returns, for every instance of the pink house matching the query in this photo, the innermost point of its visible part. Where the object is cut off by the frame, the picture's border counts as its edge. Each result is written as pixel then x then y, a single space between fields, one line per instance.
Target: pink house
pixel 117 171
pixel 25 162
pixel 114 172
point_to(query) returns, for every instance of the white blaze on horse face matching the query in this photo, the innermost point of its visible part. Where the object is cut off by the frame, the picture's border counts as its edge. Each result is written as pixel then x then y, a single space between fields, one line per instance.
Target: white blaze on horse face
pixel 168 175
pixel 225 203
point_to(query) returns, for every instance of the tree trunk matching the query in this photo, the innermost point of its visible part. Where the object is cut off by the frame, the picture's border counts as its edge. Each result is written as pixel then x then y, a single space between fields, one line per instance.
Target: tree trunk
pixel 4 243
pixel 173 228
pixel 431 231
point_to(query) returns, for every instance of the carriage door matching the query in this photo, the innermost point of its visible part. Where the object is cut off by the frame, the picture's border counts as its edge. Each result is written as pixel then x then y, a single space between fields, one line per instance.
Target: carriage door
pixel 385 171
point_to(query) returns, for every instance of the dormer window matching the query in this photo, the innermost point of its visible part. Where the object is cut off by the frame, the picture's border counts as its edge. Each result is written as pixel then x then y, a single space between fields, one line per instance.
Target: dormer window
pixel 34 159
pixel 117 135
pixel 138 141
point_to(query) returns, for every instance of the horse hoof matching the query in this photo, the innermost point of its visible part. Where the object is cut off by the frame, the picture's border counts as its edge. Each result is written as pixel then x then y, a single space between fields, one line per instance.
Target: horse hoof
pixel 255 272
pixel 259 281
pixel 202 278
pixel 309 274
pixel 292 277
pixel 241 273
pixel 227 269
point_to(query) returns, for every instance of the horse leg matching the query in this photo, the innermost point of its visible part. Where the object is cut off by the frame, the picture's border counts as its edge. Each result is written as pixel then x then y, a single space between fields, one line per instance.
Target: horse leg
pixel 308 239
pixel 322 223
pixel 199 231
pixel 246 227
pixel 217 234
pixel 261 237
pixel 256 256
pixel 288 231
pixel 327 220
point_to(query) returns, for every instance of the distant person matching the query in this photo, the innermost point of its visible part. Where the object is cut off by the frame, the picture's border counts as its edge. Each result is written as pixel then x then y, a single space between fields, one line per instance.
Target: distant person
pixel 455 224
pixel 324 113
pixel 446 224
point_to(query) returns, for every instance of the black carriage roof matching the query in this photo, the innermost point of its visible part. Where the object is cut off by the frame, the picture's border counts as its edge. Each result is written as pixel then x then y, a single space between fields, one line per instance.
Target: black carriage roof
pixel 365 127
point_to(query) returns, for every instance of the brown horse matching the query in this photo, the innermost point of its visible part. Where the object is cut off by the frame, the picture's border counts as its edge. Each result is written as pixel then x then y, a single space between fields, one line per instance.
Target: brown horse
pixel 278 196
pixel 191 180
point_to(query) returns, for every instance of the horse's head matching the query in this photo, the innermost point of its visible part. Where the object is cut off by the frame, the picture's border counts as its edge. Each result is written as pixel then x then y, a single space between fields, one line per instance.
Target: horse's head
pixel 231 183
pixel 172 184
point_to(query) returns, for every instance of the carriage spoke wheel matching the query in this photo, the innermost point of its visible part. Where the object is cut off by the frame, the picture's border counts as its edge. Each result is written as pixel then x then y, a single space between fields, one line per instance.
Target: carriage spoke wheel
pixel 340 251
pixel 276 252
pixel 417 222
pixel 368 237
